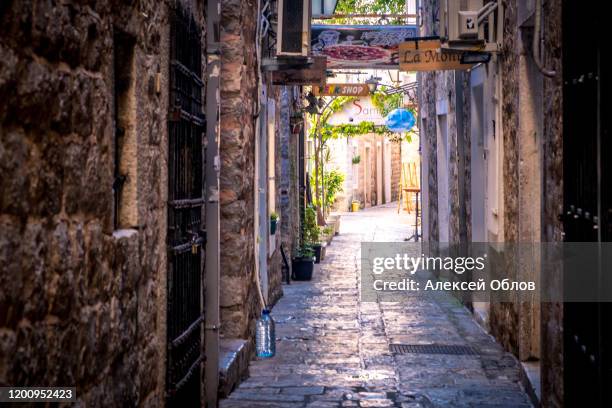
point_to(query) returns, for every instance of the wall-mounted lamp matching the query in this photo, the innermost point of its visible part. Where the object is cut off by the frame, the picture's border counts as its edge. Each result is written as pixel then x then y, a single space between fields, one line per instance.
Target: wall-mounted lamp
pixel 372 84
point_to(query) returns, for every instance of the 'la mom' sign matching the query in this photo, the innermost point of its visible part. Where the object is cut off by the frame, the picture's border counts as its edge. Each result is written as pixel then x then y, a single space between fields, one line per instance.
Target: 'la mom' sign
pixel 427 55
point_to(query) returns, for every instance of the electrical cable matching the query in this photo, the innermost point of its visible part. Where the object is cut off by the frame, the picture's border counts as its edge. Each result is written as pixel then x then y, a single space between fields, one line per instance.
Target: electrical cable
pixel 536 42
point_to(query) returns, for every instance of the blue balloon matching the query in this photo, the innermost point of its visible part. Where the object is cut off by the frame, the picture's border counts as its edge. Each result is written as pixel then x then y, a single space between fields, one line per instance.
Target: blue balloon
pixel 400 120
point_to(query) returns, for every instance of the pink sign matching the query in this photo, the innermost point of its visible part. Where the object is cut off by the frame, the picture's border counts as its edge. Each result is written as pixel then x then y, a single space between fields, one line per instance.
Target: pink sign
pixel 360 46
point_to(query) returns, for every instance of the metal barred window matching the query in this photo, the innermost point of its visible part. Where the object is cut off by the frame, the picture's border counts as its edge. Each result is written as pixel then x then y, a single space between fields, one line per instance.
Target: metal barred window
pixel 186 127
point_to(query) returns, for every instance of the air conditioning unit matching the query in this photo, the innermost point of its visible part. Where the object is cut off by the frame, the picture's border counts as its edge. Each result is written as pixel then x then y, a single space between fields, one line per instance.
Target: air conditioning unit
pixel 470 24
pixel 293 32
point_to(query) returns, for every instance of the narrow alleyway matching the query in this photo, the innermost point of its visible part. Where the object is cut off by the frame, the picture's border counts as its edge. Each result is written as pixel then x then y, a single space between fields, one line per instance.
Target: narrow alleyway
pixel 333 351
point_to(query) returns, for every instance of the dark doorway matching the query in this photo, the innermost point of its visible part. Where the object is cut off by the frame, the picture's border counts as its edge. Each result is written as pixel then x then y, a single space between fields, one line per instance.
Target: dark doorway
pixel 587 198
pixel 186 127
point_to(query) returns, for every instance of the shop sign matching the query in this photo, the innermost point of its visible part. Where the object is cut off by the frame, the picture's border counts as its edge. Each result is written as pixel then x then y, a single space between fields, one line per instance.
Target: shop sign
pixel 360 46
pixel 427 55
pixel 341 90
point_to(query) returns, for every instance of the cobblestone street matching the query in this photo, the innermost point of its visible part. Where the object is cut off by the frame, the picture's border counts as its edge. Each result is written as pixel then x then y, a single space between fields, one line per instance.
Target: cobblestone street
pixel 333 351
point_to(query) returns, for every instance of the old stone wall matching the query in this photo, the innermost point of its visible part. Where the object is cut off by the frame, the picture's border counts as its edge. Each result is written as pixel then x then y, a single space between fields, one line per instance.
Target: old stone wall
pixel 83 303
pixel 509 72
pixel 366 145
pixel 464 78
pixel 239 298
pixel 368 170
pixel 427 102
pixel 284 186
pixel 372 173
pixel 552 313
pixel 288 188
pixel 438 101
pixel 504 319
pixel 428 157
pixel 532 150
pixel 446 95
pixel 528 128
pixel 354 187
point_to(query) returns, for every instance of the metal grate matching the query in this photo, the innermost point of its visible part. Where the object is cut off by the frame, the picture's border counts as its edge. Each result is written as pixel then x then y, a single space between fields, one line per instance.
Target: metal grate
pixel 186 127
pixel 432 349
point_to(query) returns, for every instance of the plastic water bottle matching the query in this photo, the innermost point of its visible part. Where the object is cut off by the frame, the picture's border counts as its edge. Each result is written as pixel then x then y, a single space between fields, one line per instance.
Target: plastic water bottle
pixel 265 338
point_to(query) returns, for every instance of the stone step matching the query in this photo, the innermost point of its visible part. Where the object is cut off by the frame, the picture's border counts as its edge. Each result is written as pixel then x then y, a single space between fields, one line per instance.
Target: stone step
pixel 234 357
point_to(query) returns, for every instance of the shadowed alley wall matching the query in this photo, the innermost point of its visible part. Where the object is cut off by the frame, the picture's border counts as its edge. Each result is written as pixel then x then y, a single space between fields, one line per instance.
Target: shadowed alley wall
pixel 83 300
pixel 531 170
pixel 240 304
pixel 552 228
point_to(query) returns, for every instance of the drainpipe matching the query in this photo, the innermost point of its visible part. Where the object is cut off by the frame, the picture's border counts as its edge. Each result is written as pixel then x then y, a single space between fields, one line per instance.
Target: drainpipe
pixel 258 104
pixel 213 114
pixel 536 42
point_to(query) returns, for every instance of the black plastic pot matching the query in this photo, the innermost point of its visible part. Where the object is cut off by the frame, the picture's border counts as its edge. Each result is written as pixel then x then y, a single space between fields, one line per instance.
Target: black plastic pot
pixel 317 250
pixel 273 226
pixel 302 268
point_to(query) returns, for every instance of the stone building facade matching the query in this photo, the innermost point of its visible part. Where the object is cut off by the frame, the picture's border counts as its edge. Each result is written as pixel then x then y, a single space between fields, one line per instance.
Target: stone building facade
pixel 258 177
pixel 289 181
pixel 374 180
pixel 84 113
pixel 83 280
pixel 509 114
pixel 237 190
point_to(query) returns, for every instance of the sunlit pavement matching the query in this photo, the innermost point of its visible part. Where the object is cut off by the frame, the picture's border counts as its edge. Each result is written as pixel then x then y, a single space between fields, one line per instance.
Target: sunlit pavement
pixel 333 350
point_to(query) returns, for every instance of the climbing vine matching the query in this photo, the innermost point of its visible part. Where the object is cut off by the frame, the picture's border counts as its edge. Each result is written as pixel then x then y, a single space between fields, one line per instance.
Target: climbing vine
pixel 368 7
pixel 381 101
pixel 320 131
pixel 320 121
pixel 386 103
pixel 350 130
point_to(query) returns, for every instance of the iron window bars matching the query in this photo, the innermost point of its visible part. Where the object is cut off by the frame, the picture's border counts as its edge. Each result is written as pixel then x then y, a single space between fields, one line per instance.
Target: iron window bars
pixel 186 127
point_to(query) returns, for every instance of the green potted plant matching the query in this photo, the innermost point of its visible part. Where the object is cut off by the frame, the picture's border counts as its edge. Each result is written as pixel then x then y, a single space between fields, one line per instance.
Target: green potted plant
pixel 327 233
pixel 273 223
pixel 302 263
pixel 311 231
pixel 356 159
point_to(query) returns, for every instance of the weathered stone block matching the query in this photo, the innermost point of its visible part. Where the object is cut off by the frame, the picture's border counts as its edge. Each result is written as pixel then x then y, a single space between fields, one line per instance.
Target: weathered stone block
pixel 14 183
pixel 234 290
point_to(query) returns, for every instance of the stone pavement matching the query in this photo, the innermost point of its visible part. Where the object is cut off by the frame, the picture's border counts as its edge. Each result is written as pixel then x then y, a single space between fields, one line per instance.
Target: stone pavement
pixel 333 351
